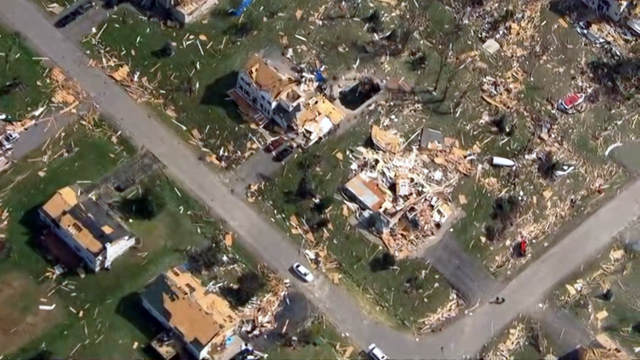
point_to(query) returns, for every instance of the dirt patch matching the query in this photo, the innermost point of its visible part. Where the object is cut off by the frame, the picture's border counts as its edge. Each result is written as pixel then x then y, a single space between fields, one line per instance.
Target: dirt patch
pixel 20 319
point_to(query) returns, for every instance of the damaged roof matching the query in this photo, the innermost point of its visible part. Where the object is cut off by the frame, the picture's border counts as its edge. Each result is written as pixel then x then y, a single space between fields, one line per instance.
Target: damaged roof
pixel 198 315
pixel 90 224
pixel 268 78
pixel 367 191
pixel 318 109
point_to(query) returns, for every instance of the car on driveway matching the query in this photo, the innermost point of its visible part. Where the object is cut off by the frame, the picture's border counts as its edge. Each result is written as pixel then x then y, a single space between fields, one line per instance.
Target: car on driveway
pixel 283 154
pixel 303 272
pixel 8 139
pixel 375 353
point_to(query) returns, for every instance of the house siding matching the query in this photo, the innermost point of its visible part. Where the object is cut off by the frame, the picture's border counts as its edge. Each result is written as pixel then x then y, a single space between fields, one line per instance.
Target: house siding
pixel 87 257
pixel 117 248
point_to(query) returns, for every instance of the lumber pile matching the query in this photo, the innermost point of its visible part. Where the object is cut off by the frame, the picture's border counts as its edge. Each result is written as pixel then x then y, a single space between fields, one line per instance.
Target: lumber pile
pixel 514 342
pixel 65 90
pixel 259 315
pixel 446 312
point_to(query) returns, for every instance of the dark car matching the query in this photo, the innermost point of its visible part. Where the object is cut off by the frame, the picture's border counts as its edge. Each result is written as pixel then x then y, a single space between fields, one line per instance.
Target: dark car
pixel 274 144
pixel 74 14
pixel 283 154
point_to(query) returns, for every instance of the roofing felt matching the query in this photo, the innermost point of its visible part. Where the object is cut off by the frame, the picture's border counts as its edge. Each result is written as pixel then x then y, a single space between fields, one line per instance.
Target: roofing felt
pixel 90 223
pixel 199 316
pixel 266 76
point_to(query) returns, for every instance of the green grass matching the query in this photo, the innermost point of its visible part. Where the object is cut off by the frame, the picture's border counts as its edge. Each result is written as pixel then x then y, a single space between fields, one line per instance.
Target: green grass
pixel 325 348
pixel 17 63
pixel 622 320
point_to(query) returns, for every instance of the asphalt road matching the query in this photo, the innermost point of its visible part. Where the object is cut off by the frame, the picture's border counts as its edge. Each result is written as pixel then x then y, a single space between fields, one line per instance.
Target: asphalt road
pixel 464 337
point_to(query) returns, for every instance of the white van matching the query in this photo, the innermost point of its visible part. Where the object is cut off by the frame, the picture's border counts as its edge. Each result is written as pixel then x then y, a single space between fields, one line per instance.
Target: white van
pixel 375 353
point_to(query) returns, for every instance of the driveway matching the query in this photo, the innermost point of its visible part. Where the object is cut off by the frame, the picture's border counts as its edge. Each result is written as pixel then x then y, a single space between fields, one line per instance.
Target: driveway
pixel 269 244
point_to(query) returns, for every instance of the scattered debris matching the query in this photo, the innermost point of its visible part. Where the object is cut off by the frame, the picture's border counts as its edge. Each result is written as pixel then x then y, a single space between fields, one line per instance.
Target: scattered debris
pixel 404 196
pixel 446 312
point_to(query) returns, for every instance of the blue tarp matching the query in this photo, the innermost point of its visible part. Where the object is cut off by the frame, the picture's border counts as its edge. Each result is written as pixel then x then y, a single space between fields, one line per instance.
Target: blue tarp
pixel 320 77
pixel 245 4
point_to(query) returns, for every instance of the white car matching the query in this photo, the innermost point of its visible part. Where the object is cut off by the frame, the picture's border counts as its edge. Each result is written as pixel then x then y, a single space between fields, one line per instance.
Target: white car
pixel 375 353
pixel 8 139
pixel 302 271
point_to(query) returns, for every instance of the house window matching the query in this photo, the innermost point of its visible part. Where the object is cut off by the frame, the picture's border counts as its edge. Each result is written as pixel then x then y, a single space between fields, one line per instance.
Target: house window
pixel 190 288
pixel 254 100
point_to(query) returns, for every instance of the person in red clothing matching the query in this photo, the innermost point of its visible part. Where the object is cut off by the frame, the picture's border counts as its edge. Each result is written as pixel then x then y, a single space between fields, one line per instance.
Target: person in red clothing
pixel 523 248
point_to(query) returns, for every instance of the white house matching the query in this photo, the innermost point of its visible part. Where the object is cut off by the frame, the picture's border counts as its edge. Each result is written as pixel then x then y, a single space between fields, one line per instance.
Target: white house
pixel 268 88
pixel 95 234
pixel 202 320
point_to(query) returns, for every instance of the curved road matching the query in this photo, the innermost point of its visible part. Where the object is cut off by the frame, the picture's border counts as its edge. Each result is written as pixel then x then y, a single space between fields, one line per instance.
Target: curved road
pixel 465 337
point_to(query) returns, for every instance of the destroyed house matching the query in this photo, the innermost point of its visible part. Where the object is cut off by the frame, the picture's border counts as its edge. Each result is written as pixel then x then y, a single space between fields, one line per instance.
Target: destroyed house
pixel 185 11
pixel 202 320
pixel 318 118
pixel 89 228
pixel 270 89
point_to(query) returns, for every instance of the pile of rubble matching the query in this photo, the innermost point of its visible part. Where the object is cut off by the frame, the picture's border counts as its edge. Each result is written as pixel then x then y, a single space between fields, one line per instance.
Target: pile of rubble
pixel 515 341
pixel 403 192
pixel 447 311
pixel 503 92
pixel 65 90
pixel 260 314
pixel 581 287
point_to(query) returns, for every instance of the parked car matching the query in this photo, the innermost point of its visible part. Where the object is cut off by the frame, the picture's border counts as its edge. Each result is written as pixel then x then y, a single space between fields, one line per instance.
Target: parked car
pixel 8 139
pixel 74 14
pixel 274 144
pixel 572 103
pixel 303 272
pixel 283 154
pixel 375 353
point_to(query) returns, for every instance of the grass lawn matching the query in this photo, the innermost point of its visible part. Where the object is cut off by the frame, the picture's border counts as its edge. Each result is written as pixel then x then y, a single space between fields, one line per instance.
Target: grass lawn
pixel 18 65
pixel 325 348
pixel 622 276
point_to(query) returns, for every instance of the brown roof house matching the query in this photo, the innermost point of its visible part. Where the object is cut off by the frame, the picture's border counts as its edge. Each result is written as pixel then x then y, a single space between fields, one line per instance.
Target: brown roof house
pixel 270 88
pixel 89 228
pixel 201 319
